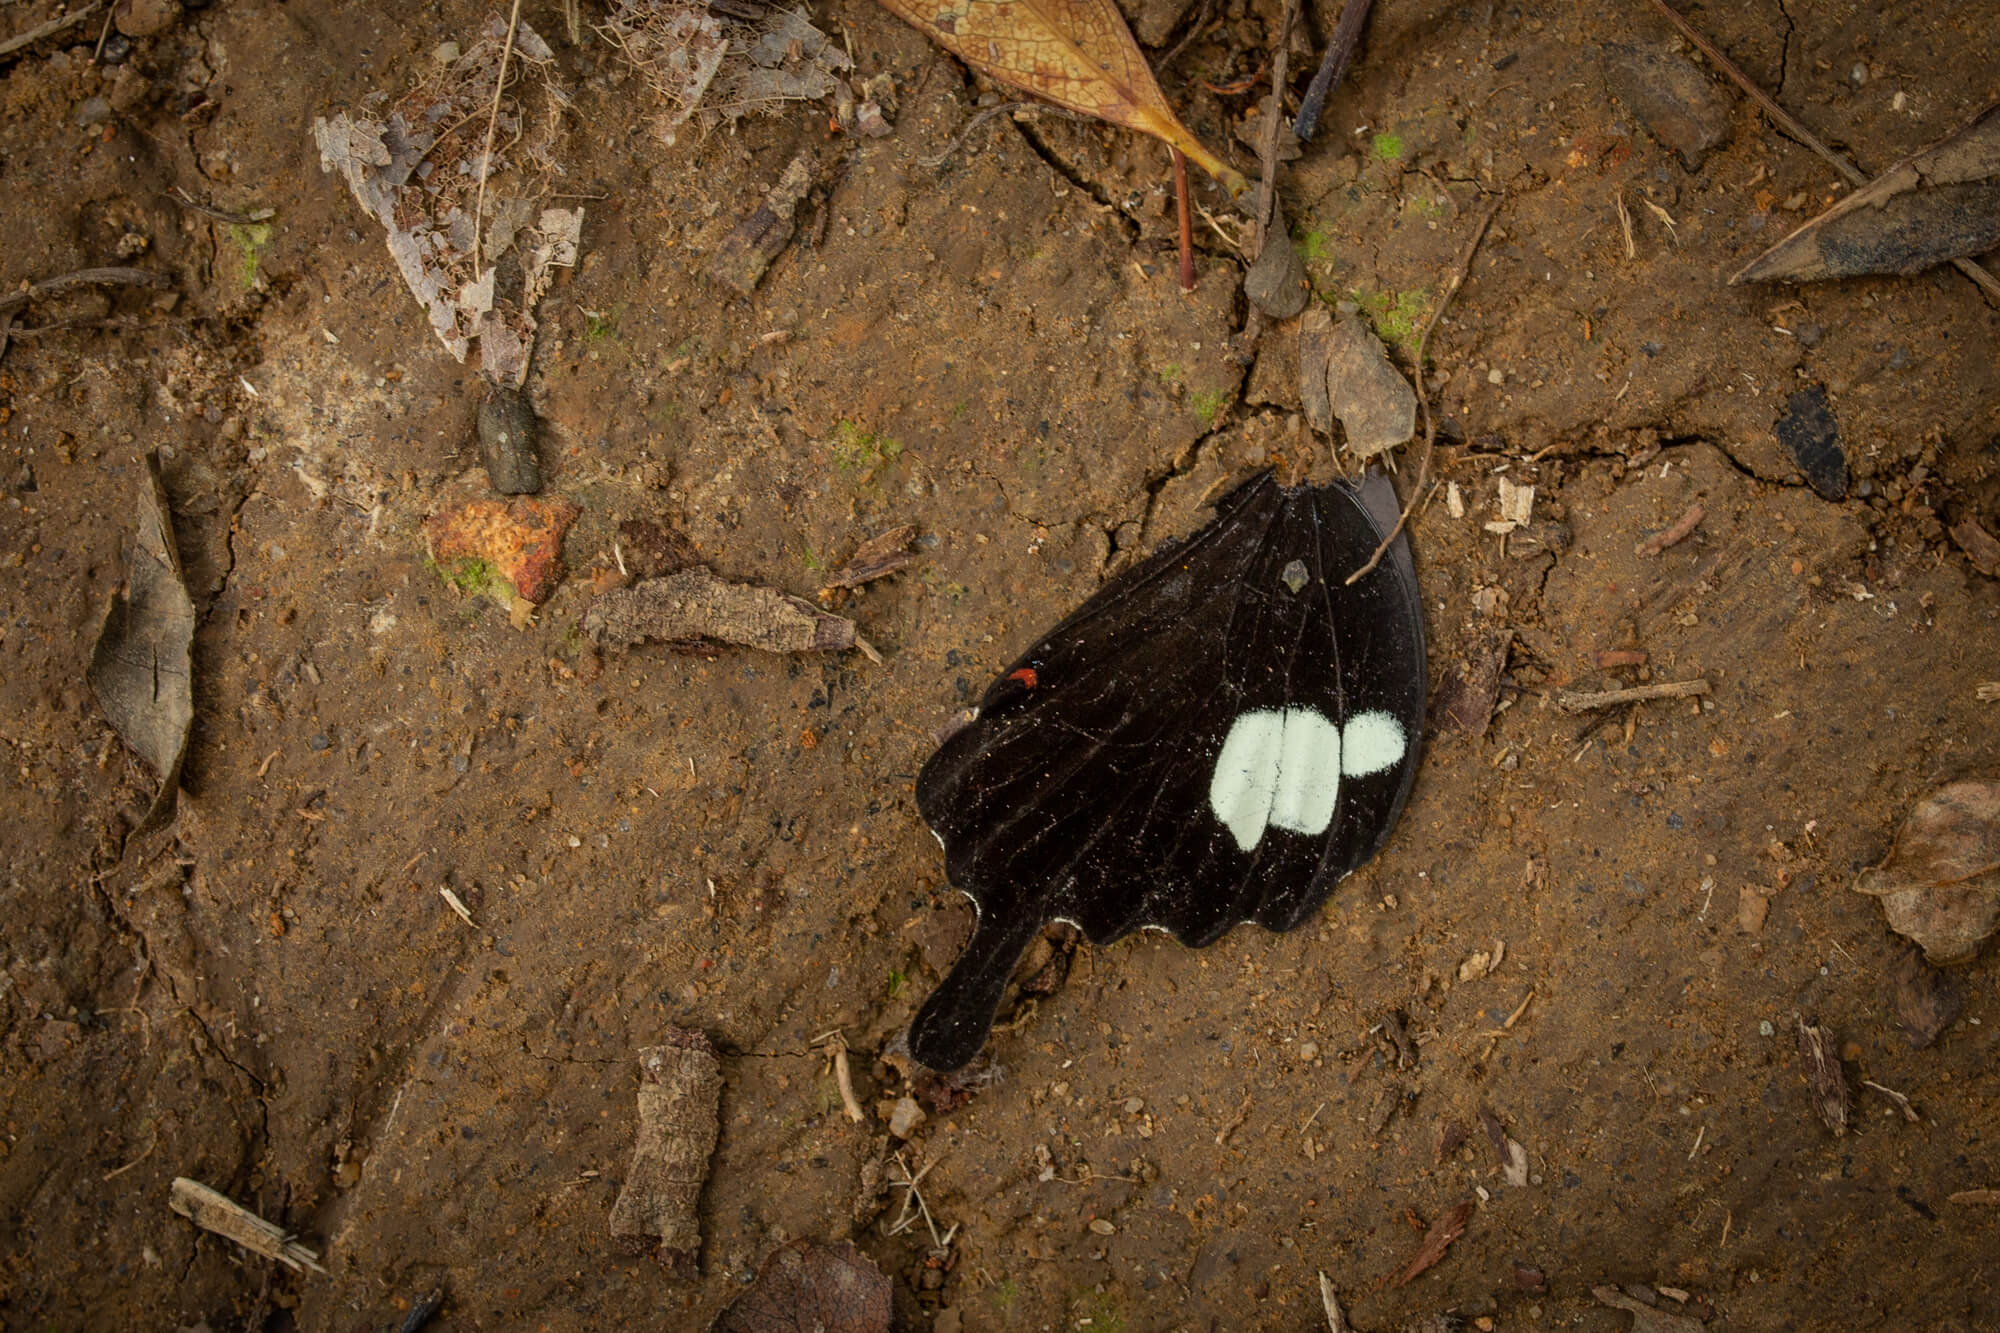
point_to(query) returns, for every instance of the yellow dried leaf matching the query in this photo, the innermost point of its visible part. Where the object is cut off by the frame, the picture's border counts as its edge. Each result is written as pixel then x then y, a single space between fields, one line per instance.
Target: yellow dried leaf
pixel 1076 53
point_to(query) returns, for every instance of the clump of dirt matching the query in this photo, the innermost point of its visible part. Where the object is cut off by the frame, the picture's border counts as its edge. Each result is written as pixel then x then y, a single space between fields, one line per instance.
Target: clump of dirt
pixel 976 332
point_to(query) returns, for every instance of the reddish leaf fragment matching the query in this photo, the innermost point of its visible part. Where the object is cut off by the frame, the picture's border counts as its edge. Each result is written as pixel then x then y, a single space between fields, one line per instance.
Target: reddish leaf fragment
pixel 1979 545
pixel 808 1288
pixel 1437 1240
pixel 1940 885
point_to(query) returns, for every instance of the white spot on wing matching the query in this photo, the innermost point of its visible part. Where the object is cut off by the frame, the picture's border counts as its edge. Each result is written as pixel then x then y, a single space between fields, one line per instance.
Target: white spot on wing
pixel 1371 743
pixel 1308 776
pixel 1245 781
pixel 1283 769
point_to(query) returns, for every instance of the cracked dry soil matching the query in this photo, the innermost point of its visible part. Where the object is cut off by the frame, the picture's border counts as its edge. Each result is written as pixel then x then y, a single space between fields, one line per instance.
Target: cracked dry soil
pixel 271 997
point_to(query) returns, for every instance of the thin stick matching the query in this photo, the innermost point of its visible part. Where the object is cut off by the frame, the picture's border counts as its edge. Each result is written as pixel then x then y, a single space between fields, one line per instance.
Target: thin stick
pixel 1902 1102
pixel 1339 51
pixel 88 277
pixel 1186 219
pixel 1582 701
pixel 1682 529
pixel 1424 394
pixel 1267 151
pixel 103 36
pixel 49 29
pixel 1788 123
pixel 492 124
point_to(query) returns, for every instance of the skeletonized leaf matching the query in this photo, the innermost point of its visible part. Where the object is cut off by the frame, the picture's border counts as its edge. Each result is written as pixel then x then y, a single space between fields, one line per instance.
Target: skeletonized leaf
pixel 1076 53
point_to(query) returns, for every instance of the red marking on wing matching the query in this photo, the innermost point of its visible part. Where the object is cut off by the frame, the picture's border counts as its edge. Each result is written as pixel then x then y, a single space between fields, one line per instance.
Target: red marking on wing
pixel 1026 675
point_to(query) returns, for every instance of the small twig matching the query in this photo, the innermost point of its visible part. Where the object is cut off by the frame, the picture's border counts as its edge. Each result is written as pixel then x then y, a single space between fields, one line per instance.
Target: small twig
pixel 1519 1009
pixel 1902 1102
pixel 193 205
pixel 49 29
pixel 103 36
pixel 1005 108
pixel 1790 125
pixel 1678 533
pixel 1699 1135
pixel 87 277
pixel 1194 30
pixel 1267 151
pixel 1582 701
pixel 843 1078
pixel 117 1171
pixel 1625 224
pixel 456 904
pixel 492 124
pixel 1458 276
pixel 1339 51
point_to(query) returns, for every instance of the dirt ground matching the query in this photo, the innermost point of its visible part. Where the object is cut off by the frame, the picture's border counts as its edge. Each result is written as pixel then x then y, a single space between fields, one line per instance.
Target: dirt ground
pixel 271 996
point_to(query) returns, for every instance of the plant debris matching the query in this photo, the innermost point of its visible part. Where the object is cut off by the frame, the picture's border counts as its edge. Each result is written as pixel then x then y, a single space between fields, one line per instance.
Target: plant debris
pixel 875 558
pixel 1513 1157
pixel 1448 1228
pixel 1938 204
pixel 1979 545
pixel 1470 689
pixel 694 605
pixel 1940 884
pixel 1926 1002
pixel 503 548
pixel 744 255
pixel 213 1211
pixel 1345 375
pixel 422 184
pixel 1824 1075
pixel 821 1288
pixel 1646 1318
pixel 680 1088
pixel 647 549
pixel 1076 53
pixel 709 65
pixel 142 666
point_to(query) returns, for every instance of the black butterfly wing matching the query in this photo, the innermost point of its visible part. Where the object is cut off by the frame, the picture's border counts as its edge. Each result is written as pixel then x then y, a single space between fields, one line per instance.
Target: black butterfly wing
pixel 1089 786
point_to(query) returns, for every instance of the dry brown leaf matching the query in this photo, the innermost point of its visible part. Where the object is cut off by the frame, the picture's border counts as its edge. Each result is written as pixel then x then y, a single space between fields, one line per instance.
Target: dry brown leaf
pixel 807 1288
pixel 1940 886
pixel 1823 1072
pixel 1076 53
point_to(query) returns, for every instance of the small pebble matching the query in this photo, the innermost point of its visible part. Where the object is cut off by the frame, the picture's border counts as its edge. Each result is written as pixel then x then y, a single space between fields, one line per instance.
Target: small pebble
pixel 1308 1050
pixel 1101 1227
pixel 92 112
pixel 1764 1029
pixel 117 49
pixel 1134 1105
pixel 906 1117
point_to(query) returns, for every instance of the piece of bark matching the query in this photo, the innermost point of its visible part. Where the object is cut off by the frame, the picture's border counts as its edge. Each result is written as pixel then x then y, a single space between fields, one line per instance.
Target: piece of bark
pixel 1671 97
pixel 1926 1002
pixel 1938 204
pixel 750 247
pixel 1824 1075
pixel 809 1288
pixel 874 558
pixel 1979 545
pixel 695 604
pixel 217 1212
pixel 142 666
pixel 1513 1157
pixel 680 1088
pixel 1448 1228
